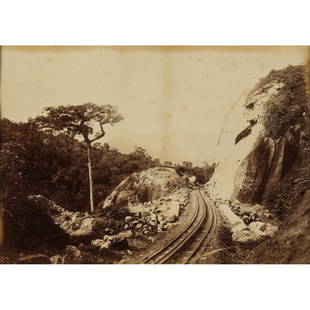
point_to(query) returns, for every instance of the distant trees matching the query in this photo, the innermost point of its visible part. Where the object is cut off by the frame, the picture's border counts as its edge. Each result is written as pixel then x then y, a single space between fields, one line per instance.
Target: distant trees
pixel 187 165
pixel 86 120
pixel 167 163
pixel 203 174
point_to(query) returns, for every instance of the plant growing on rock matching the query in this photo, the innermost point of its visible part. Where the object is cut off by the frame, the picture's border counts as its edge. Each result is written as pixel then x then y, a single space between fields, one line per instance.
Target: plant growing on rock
pixel 86 120
pixel 287 108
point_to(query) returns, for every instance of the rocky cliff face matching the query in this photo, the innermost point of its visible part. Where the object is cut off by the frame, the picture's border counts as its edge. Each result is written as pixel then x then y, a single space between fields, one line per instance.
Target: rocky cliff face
pixel 145 186
pixel 263 138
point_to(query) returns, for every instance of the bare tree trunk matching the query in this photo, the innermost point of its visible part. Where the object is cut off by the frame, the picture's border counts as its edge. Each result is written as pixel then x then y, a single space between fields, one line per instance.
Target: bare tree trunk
pixel 91 190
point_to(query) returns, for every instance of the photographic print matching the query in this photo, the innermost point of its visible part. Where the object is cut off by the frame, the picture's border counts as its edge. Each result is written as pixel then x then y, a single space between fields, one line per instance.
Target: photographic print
pixel 155 155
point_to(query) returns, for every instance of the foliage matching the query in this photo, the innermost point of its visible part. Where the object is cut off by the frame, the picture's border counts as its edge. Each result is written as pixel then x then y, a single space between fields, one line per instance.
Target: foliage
pixel 56 166
pixel 203 174
pixel 19 211
pixel 290 104
pixel 79 119
pixel 34 160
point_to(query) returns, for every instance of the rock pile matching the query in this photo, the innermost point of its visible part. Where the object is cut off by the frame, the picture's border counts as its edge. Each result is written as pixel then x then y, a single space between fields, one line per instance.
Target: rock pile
pixel 106 235
pixel 251 213
pixel 76 255
pixel 95 252
pixel 254 232
pixel 79 225
pixel 107 241
pixel 248 222
pixel 73 223
pixel 158 215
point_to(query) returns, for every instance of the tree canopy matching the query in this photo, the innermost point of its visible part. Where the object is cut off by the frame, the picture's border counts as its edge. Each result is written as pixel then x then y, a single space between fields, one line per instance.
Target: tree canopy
pixel 79 120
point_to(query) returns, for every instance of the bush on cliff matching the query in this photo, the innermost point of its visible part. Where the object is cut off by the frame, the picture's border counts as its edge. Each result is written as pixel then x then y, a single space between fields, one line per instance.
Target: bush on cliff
pixel 288 107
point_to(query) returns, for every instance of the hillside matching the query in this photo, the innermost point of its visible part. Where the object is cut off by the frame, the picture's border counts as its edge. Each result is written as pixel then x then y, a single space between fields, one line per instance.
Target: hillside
pixel 264 138
pixel 262 171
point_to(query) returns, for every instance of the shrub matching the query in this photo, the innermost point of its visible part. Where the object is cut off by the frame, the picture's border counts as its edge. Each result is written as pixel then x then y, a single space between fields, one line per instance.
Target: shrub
pixel 287 108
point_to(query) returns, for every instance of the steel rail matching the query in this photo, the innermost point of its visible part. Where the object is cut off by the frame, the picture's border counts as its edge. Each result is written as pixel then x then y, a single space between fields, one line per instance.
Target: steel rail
pixel 199 219
pixel 209 229
pixel 159 254
pixel 184 241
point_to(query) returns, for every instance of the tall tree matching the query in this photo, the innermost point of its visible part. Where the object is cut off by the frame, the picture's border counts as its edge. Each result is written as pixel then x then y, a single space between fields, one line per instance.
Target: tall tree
pixel 86 120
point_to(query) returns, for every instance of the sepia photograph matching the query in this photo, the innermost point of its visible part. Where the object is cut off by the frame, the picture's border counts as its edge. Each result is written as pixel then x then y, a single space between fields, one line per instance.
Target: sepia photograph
pixel 155 155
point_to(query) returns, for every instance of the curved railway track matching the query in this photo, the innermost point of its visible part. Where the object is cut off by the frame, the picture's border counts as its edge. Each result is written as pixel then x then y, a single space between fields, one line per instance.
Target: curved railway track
pixel 187 246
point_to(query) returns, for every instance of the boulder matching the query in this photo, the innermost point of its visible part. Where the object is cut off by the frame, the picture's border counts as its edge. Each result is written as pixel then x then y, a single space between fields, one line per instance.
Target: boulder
pixel 108 241
pixel 162 227
pixel 106 244
pixel 263 229
pixel 73 223
pixel 153 219
pixel 77 255
pixel 73 251
pixel 256 231
pixel 88 224
pixel 144 186
pixel 86 229
pixel 171 218
pixel 231 217
pixel 135 209
pixel 97 243
pixel 124 234
pixel 80 234
pixel 173 209
pixel 56 259
pixel 238 228
pixel 192 179
pixel 244 236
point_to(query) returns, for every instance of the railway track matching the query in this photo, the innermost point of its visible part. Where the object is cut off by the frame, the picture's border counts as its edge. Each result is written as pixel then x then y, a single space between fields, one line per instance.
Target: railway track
pixel 187 246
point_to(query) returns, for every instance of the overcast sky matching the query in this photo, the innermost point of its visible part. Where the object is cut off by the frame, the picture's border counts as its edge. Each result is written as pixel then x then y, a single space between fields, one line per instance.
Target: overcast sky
pixel 173 99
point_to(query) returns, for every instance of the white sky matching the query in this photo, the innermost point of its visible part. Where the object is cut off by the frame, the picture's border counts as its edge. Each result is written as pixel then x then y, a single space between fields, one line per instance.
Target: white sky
pixel 173 99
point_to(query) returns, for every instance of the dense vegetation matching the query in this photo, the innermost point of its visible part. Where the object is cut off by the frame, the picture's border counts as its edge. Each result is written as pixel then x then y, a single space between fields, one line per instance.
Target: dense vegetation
pixel 287 107
pixel 56 166
pixel 202 174
pixel 33 161
pixel 81 121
